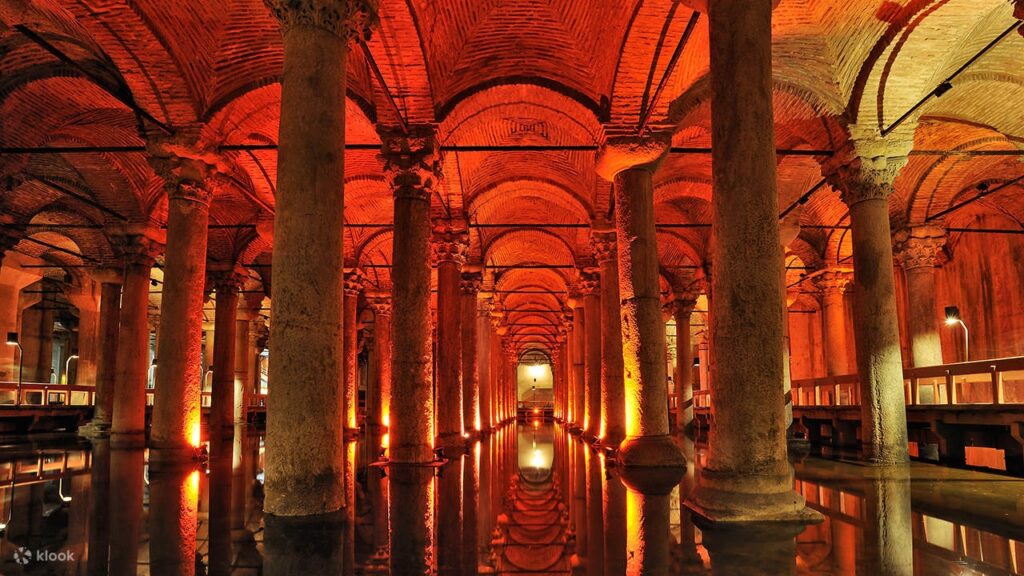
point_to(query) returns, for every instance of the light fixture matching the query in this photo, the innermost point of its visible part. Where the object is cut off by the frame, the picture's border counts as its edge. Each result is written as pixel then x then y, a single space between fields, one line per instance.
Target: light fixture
pixel 67 370
pixel 942 89
pixel 953 318
pixel 696 360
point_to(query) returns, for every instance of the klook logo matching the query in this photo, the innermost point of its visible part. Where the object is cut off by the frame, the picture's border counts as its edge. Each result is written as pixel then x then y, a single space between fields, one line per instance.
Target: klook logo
pixel 23 556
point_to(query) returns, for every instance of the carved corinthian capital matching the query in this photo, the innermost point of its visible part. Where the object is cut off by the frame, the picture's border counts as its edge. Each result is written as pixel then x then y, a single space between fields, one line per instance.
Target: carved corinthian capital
pixel 412 161
pixel 866 168
pixel 347 19
pixel 919 247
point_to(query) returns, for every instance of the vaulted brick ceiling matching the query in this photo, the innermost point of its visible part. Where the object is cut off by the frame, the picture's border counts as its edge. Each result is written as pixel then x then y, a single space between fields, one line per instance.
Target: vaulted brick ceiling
pixel 500 73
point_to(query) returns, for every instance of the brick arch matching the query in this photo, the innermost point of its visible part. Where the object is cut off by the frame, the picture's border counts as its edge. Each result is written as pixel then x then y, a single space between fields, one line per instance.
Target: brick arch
pixel 528 245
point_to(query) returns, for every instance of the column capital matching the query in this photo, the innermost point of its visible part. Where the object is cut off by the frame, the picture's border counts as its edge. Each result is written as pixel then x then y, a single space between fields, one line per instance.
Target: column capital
pixel 603 243
pixel 412 161
pixel 380 303
pixel 450 245
pixel 621 153
pixel 471 282
pixel 485 306
pixel 107 275
pixel 833 281
pixel 353 282
pixel 346 19
pixel 866 168
pixel 589 282
pixel 919 247
pixel 138 245
pixel 226 279
pixel 190 171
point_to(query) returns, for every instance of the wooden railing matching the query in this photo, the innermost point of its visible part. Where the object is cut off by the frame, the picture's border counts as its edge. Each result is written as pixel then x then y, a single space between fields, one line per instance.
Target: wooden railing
pixel 44 394
pixel 983 383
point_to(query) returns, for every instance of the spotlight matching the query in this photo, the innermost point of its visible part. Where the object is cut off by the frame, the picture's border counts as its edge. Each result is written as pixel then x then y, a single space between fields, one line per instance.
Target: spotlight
pixel 942 89
pixel 953 318
pixel 12 338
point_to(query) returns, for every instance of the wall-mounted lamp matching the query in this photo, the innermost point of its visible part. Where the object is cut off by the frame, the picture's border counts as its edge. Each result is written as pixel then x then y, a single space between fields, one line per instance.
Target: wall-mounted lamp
pixel 696 361
pixel 953 318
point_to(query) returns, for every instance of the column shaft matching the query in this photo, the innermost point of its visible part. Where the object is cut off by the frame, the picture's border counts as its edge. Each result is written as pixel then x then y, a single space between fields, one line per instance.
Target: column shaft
pixel 449 252
pixel 470 377
pixel 382 353
pixel 837 349
pixel 684 367
pixel 176 407
pixel 593 418
pixel 244 362
pixel 613 386
pixel 484 370
pixel 222 402
pixel 132 365
pixel 110 310
pixel 350 406
pixel 305 451
pixel 579 366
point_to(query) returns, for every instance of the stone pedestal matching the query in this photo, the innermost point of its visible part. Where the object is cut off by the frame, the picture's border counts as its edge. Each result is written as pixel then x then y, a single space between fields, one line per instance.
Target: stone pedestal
pixel 865 182
pixel 414 166
pixel 449 248
pixel 176 406
pixel 305 451
pixel 919 250
pixel 131 371
pixel 747 476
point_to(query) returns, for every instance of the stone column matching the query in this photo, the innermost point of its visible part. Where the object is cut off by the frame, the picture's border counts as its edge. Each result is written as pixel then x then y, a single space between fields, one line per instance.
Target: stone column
pixel 414 166
pixel 613 390
pixel 684 305
pixel 86 299
pixel 13 280
pixel 450 247
pixel 630 163
pixel 380 396
pixel 110 310
pixel 471 282
pixel 222 401
pixel 350 406
pixel 175 432
pixel 919 250
pixel 833 289
pixel 590 288
pixel 579 367
pixel 131 371
pixel 747 476
pixel 305 407
pixel 866 184
pixel 245 359
pixel 484 365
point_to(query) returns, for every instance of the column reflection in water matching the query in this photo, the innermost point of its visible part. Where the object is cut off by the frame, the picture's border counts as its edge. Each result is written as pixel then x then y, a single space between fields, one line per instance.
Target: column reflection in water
pixel 647 527
pixel 221 504
pixel 173 519
pixel 470 511
pixel 377 492
pixel 99 509
pixel 350 508
pixel 126 481
pixel 690 560
pixel 888 526
pixel 595 513
pixel 579 499
pixel 449 517
pixel 614 523
pixel 411 518
pixel 752 549
pixel 304 544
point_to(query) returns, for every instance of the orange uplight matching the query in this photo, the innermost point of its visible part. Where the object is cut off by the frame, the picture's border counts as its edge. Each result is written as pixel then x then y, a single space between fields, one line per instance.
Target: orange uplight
pixel 386 419
pixel 192 487
pixel 536 423
pixel 536 410
pixel 194 435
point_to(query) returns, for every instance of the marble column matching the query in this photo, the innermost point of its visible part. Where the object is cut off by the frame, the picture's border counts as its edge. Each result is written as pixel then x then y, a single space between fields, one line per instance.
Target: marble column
pixel 470 283
pixel 450 247
pixel 106 354
pixel 350 406
pixel 173 521
pixel 484 365
pixel 127 484
pixel 833 289
pixel 379 399
pixel 245 362
pixel 888 535
pixel 411 513
pixel 919 250
pixel 131 367
pixel 86 298
pixel 865 182
pixel 176 425
pixel 613 391
pixel 684 305
pixel 630 163
pixel 579 366
pixel 414 167
pixel 590 288
pixel 747 476
pixel 222 401
pixel 305 449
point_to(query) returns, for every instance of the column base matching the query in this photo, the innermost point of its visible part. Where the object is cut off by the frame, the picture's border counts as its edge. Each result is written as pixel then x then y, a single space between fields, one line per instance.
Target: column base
pixel 451 442
pixel 728 498
pixel 351 433
pixel 651 464
pixel 94 430
pixel 127 439
pixel 171 456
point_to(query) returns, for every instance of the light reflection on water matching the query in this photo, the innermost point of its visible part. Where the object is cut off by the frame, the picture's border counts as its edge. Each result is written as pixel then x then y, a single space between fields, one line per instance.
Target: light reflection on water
pixel 526 499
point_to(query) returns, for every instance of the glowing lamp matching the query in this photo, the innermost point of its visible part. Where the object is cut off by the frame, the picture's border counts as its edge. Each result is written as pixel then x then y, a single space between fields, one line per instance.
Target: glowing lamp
pixel 194 436
pixel 952 319
pixel 536 410
pixel 536 371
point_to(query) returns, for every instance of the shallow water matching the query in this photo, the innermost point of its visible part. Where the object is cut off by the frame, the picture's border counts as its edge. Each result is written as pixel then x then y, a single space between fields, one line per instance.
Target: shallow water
pixel 528 499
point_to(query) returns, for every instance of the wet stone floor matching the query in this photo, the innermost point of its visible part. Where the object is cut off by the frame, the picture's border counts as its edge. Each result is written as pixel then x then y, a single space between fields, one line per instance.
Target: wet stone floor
pixel 529 499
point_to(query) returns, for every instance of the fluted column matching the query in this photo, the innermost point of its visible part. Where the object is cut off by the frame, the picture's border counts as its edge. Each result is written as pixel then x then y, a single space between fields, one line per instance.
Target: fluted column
pixel 353 287
pixel 379 399
pixel 590 288
pixel 176 405
pixel 747 476
pixel 227 283
pixel 684 305
pixel 414 167
pixel 865 182
pixel 919 250
pixel 450 247
pixel 304 409
pixel 613 388
pixel 833 289
pixel 470 284
pixel 106 354
pixel 630 164
pixel 131 371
